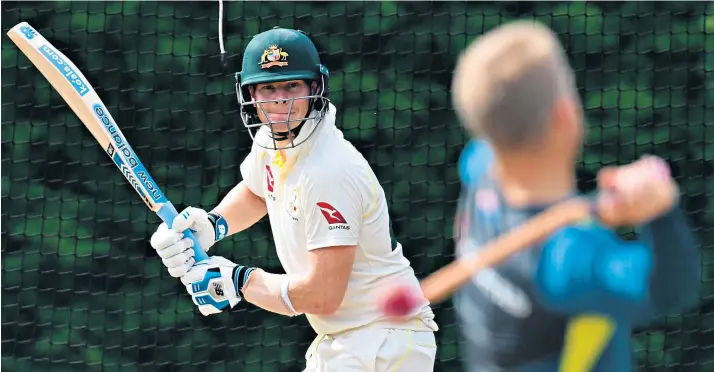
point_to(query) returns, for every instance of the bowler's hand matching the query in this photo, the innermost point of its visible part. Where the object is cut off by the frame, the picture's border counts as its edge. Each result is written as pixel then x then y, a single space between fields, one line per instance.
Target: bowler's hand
pixel 636 193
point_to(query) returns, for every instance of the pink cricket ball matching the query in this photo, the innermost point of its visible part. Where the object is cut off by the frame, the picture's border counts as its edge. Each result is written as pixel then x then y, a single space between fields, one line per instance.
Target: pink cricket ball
pixel 399 301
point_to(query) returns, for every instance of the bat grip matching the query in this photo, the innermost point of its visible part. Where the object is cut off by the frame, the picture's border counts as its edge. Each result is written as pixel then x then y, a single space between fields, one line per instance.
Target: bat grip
pixel 167 213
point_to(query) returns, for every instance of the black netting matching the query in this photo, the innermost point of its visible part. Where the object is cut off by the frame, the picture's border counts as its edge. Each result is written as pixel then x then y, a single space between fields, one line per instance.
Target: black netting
pixel 81 287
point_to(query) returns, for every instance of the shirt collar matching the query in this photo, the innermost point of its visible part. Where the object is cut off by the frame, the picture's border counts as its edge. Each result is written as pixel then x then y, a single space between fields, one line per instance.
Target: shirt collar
pixel 311 131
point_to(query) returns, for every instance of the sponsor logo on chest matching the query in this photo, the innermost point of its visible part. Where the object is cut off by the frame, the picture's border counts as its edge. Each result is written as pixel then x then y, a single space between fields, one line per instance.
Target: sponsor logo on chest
pixel 269 183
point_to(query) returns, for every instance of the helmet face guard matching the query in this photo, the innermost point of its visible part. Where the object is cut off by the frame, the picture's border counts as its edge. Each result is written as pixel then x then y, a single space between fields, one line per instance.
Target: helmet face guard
pixel 280 55
pixel 318 104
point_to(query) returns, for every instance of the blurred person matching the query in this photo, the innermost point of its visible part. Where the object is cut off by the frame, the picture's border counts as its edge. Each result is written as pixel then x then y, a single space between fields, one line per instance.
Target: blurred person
pixel 515 92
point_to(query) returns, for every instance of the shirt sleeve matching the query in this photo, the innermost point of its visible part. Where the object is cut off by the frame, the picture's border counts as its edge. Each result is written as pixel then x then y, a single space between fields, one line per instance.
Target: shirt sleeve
pixel 333 211
pixel 676 280
pixel 253 171
pixel 585 269
pixel 474 161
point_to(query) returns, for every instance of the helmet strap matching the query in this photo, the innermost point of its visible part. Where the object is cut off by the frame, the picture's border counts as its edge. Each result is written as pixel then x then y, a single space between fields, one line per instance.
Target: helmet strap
pixel 282 136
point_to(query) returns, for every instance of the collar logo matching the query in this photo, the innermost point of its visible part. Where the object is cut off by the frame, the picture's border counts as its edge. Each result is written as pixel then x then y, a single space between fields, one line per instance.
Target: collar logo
pixel 293 204
pixel 273 56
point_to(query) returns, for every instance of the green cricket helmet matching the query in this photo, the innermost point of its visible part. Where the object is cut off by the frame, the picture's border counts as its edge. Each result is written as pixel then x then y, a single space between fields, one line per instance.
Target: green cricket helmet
pixel 276 55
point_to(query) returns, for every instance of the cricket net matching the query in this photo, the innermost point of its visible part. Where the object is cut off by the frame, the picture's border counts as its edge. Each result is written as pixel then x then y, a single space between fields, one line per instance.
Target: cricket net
pixel 81 287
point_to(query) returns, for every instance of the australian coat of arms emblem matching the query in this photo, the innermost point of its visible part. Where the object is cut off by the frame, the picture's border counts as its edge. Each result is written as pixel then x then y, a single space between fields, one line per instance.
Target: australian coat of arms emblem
pixel 273 56
pixel 293 204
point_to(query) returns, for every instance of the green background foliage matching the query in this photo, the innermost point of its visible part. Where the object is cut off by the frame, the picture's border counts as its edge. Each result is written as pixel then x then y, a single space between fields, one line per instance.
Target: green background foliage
pixel 81 287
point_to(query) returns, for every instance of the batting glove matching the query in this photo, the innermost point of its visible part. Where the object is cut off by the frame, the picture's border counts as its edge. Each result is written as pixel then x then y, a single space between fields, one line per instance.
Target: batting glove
pixel 215 284
pixel 176 251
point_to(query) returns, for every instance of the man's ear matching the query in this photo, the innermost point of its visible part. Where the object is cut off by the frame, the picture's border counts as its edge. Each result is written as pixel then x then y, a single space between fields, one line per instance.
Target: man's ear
pixel 564 114
pixel 251 90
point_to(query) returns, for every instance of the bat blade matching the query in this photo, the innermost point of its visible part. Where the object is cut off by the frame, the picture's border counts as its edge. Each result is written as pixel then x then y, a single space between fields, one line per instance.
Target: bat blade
pixel 75 89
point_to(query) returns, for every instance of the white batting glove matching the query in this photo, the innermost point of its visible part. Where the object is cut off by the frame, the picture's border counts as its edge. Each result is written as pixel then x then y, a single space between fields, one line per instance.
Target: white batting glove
pixel 212 284
pixel 176 251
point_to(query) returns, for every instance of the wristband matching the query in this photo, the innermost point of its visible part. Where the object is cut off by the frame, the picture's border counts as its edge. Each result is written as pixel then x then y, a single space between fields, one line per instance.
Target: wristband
pixel 220 225
pixel 240 277
pixel 286 298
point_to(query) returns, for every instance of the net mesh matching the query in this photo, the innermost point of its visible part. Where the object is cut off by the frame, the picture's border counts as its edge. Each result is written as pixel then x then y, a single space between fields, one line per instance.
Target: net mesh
pixel 81 287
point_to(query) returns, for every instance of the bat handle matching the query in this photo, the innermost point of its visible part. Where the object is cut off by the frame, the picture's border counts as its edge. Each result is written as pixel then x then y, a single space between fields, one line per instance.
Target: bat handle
pixel 167 213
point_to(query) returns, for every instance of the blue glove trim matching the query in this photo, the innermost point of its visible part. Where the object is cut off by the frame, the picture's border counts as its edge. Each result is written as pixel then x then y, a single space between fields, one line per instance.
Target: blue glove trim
pixel 202 286
pixel 208 300
pixel 220 225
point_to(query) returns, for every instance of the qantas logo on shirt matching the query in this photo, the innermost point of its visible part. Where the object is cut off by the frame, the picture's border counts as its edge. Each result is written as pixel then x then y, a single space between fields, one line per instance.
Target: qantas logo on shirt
pixel 269 180
pixel 333 216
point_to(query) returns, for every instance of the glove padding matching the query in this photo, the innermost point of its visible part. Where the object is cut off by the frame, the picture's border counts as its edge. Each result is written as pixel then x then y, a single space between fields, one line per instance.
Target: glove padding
pixel 211 286
pixel 175 251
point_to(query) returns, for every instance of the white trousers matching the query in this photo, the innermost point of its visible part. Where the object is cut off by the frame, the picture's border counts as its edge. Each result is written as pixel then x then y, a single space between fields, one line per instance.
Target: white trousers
pixel 373 349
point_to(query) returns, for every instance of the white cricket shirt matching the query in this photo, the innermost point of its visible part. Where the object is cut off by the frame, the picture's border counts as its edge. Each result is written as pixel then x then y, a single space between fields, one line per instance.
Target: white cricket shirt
pixel 327 195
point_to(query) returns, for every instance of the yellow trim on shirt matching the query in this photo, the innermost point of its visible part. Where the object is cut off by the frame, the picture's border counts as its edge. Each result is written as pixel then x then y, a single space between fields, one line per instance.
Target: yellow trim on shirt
pixel 278 159
pixel 586 338
pixel 286 164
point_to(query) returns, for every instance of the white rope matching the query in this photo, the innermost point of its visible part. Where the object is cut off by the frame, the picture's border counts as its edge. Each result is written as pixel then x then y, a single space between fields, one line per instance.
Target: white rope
pixel 220 26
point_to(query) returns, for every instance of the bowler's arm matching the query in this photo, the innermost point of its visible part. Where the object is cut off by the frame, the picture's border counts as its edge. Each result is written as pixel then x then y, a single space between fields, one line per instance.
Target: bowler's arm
pixel 676 279
pixel 585 270
pixel 588 269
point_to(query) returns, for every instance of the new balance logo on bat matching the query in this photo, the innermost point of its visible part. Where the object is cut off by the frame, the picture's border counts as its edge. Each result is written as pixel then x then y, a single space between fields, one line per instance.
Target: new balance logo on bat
pixel 125 171
pixel 119 141
pixel 333 216
pixel 28 32
pixel 121 146
pixel 132 180
pixel 144 177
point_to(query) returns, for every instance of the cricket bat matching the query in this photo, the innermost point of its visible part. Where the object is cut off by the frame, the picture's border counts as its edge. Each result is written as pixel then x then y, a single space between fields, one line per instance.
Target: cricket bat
pixel 71 84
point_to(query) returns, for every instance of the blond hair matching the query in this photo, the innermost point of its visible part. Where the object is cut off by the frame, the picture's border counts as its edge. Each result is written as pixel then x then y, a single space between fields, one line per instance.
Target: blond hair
pixel 506 83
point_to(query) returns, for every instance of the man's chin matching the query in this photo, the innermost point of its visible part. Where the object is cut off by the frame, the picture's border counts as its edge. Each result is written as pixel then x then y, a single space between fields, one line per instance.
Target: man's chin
pixel 282 118
pixel 280 128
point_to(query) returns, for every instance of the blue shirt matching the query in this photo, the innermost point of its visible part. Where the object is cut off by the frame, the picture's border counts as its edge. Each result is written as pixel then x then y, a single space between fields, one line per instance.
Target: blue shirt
pixel 514 317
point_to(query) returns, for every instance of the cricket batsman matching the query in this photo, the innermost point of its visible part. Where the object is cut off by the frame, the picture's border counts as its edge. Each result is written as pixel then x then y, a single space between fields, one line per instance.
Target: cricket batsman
pixel 514 89
pixel 329 218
